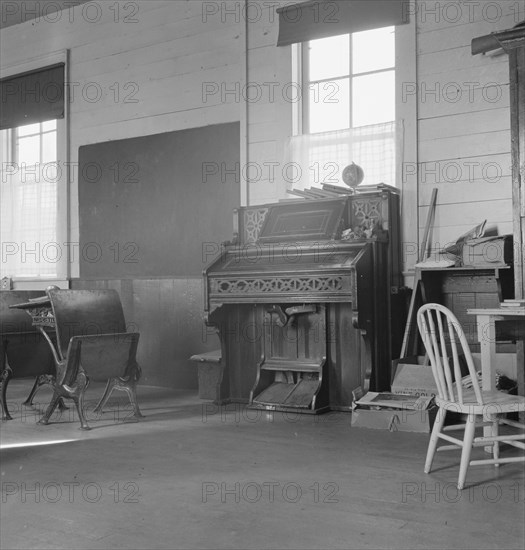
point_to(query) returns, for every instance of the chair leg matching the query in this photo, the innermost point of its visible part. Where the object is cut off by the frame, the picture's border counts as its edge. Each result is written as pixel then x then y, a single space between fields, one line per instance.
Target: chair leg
pixel 434 438
pixel 131 390
pixel 79 403
pixel 110 386
pixel 5 377
pixel 82 382
pixel 127 384
pixel 50 409
pixel 468 439
pixel 40 381
pixel 494 433
pixel 135 374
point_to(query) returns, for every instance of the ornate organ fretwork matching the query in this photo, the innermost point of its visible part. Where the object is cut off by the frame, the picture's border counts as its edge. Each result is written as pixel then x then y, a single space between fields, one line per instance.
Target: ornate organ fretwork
pixel 253 221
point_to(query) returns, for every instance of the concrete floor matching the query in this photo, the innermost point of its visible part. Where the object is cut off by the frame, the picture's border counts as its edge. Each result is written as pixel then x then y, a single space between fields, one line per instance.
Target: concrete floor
pixel 192 475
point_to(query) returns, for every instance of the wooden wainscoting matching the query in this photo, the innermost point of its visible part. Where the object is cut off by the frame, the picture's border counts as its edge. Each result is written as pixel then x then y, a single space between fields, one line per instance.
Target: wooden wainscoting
pixel 168 314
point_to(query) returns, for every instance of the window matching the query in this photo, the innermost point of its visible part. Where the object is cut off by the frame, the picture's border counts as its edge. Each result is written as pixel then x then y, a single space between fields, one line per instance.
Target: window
pixel 348 109
pixel 28 194
pixel 33 174
pixel 350 80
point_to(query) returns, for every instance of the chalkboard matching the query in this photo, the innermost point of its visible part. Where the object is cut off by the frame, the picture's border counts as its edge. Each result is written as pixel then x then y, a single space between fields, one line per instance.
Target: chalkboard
pixel 157 206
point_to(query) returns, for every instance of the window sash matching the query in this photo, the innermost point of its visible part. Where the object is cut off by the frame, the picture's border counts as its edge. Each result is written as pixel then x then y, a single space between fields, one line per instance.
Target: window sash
pixel 33 232
pixel 306 83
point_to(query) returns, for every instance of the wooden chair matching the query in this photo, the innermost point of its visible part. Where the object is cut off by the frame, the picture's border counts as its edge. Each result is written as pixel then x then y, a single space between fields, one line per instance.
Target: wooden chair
pixel 441 332
pixel 23 350
pixel 92 344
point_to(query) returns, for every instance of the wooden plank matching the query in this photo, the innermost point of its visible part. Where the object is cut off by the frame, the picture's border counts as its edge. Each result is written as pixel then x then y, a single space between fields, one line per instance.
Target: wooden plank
pixel 463 169
pixel 463 124
pixel 443 97
pixel 461 192
pixel 108 34
pixel 435 36
pixel 500 15
pixel 168 314
pixel 442 62
pixel 261 131
pixel 472 212
pixel 185 54
pixel 495 71
pixel 149 96
pixel 155 124
pixel 411 327
pixel 517 78
pixel 407 156
pixel 480 144
pixel 179 57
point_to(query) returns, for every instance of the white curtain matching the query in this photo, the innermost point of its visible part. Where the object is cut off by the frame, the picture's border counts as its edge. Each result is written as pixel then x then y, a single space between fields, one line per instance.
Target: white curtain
pixel 28 221
pixel 312 160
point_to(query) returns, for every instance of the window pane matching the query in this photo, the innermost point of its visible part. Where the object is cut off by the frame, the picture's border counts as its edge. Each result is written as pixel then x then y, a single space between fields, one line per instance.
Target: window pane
pixel 49 147
pixel 49 125
pixel 29 129
pixel 374 99
pixel 28 201
pixel 373 50
pixel 29 150
pixel 329 105
pixel 329 57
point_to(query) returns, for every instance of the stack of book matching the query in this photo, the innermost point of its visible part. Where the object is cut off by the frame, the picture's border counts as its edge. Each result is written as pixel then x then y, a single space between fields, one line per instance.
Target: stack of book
pixel 331 191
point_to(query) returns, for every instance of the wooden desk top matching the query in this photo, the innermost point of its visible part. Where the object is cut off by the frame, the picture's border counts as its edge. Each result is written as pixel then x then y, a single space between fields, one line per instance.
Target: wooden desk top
pixel 488 267
pixel 42 301
pixel 499 311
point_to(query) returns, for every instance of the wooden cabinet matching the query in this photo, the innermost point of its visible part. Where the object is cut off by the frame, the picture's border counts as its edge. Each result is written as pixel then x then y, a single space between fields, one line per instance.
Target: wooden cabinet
pixel 459 289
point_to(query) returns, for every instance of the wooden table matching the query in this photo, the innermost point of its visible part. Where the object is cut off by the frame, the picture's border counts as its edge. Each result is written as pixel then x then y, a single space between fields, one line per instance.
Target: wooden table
pixel 486 325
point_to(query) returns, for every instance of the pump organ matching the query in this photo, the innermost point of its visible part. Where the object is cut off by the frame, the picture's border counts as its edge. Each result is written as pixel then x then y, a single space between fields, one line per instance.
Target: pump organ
pixel 304 300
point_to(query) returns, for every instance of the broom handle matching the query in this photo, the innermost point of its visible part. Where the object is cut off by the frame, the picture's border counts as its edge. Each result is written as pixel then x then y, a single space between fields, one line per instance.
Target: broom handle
pixel 417 282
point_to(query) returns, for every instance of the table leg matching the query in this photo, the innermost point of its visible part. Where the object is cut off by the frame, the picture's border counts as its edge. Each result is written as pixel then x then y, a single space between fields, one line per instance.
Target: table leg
pixel 487 340
pixel 520 361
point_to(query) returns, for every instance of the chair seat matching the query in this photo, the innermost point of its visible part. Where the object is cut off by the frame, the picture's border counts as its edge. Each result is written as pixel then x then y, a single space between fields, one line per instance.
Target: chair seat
pixel 494 402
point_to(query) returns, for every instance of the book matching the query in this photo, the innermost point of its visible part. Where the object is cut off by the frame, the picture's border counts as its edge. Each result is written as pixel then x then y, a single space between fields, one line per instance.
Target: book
pixel 513 303
pixel 393 401
pixel 337 189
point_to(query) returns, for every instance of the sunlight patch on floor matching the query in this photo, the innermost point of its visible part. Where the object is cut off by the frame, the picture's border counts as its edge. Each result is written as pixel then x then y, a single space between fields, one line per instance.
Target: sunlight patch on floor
pixel 34 443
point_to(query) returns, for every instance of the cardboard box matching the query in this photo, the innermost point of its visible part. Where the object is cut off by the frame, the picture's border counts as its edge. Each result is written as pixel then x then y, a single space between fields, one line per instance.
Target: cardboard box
pixel 488 251
pixel 402 421
pixel 412 377
pixel 393 412
pixel 408 407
